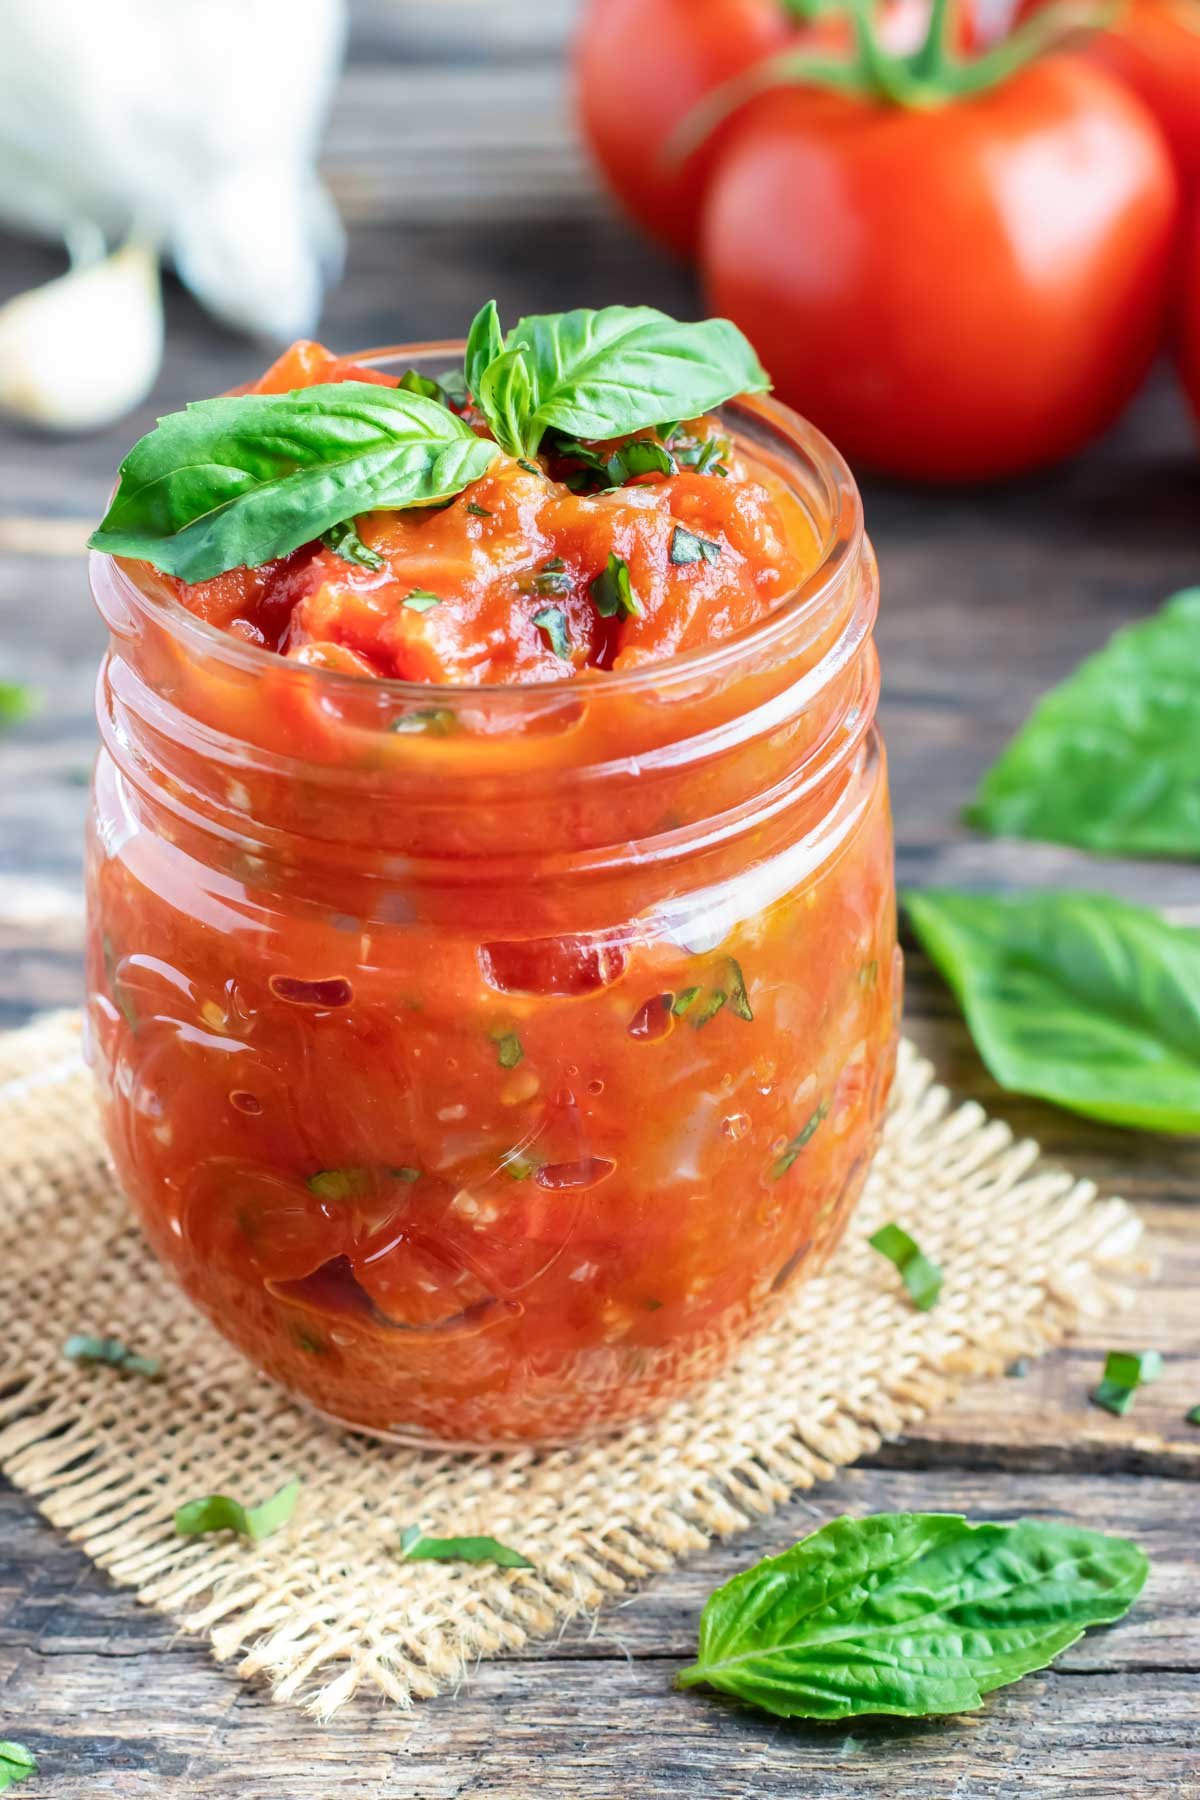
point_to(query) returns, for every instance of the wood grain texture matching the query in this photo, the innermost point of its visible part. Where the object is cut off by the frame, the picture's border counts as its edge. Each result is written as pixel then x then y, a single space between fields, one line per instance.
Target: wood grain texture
pixel 450 153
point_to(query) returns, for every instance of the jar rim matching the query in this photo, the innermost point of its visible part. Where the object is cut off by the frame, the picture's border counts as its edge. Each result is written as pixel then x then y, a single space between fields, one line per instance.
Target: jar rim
pixel 841 545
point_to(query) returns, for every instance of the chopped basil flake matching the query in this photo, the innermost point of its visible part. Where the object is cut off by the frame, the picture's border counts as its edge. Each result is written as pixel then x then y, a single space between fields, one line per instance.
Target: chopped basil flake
pixel 476 511
pixel 792 1151
pixel 434 721
pixel 345 542
pixel 420 600
pixel 922 1278
pixel 641 456
pixel 1124 1372
pixel 308 1341
pixel 338 1184
pixel 416 1547
pixel 611 590
pixel 709 1008
pixel 1193 1417
pixel 686 547
pixel 113 1352
pixel 217 1512
pixel 16 1763
pixel 572 451
pixel 552 579
pixel 652 1305
pixel 552 620
pixel 1018 1368
pixel 518 1169
pixel 739 1000
pixel 407 1173
pixel 683 1002
pixel 529 467
pixel 509 1050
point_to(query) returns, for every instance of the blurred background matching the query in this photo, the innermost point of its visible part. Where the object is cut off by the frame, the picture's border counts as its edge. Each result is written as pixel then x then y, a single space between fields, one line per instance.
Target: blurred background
pixel 370 174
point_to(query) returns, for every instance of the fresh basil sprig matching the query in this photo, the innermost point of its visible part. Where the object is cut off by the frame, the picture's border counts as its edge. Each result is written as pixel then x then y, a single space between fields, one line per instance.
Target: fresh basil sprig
pixel 1110 760
pixel 1076 998
pixel 909 1613
pixel 601 374
pixel 236 481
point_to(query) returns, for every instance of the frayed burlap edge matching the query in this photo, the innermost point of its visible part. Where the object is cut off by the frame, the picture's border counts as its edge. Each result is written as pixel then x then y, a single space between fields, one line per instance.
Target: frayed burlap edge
pixel 324 1609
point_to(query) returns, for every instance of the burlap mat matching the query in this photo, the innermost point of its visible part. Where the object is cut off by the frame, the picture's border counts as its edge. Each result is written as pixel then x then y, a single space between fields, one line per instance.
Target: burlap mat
pixel 324 1608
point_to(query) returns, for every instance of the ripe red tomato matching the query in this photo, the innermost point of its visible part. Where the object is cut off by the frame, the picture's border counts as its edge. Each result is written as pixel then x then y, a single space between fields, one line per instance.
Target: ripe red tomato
pixel 953 292
pixel 641 66
pixel 1189 316
pixel 1155 48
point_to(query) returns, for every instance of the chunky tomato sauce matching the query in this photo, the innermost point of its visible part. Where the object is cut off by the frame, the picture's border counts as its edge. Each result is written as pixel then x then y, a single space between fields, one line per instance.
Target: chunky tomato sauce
pixel 487 1064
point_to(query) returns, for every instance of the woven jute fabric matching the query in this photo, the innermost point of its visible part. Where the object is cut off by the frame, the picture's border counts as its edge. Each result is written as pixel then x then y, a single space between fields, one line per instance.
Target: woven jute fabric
pixel 325 1609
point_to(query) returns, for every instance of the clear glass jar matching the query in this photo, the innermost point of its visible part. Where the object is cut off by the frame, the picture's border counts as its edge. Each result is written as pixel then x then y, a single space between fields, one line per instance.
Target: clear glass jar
pixel 488 1074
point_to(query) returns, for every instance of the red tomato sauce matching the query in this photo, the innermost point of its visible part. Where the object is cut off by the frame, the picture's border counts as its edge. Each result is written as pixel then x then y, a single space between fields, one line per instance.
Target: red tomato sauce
pixel 485 1074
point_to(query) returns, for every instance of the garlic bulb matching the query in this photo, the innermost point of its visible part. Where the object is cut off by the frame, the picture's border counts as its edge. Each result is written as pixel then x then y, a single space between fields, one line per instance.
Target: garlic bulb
pixel 84 349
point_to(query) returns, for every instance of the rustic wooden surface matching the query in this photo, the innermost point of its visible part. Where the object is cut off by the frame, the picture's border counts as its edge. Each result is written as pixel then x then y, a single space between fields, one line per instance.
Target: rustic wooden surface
pixel 451 156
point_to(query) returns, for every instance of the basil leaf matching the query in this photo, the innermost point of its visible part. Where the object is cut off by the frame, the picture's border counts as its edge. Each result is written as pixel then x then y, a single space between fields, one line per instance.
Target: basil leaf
pixel 739 999
pixel 1124 1372
pixel 1077 998
pixel 114 1353
pixel 1110 760
pixel 686 547
pixel 485 342
pixel 17 702
pixel 217 1512
pixel 413 382
pixel 236 481
pixel 612 592
pixel 509 1051
pixel 416 1547
pixel 913 1614
pixel 684 1001
pixel 641 456
pixel 16 1763
pixel 339 1184
pixel 922 1278
pixel 477 512
pixel 1192 1417
pixel 792 1151
pixel 420 600
pixel 602 374
pixel 345 542
pixel 553 621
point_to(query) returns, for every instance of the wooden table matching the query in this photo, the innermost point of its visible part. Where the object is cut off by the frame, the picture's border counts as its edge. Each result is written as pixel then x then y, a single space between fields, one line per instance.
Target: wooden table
pixel 451 156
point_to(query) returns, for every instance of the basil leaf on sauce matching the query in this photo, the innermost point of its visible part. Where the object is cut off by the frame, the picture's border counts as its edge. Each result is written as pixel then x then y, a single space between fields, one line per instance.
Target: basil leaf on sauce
pixel 239 480
pixel 113 1353
pixel 553 621
pixel 922 1278
pixel 16 1763
pixel 345 542
pixel 602 374
pixel 1110 759
pixel 780 1168
pixel 217 1512
pixel 1076 998
pixel 509 1049
pixel 686 547
pixel 416 1547
pixel 914 1614
pixel 420 600
pixel 612 591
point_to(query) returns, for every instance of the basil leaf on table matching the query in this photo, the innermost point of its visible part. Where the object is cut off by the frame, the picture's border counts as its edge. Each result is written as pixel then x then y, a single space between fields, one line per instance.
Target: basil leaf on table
pixel 236 481
pixel 83 1349
pixel 909 1613
pixel 416 1547
pixel 217 1512
pixel 1076 998
pixel 16 1763
pixel 1110 760
pixel 601 374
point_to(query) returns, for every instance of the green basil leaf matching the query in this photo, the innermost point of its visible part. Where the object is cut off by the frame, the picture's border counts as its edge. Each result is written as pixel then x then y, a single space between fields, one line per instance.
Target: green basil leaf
pixel 1193 1417
pixel 505 398
pixel 339 1184
pixel 236 481
pixel 922 1278
pixel 16 1763
pixel 17 702
pixel 683 1002
pixel 1124 1372
pixel 509 1051
pixel 345 542
pixel 413 382
pixel 1077 998
pixel 602 374
pixel 913 1614
pixel 485 342
pixel 420 600
pixel 780 1168
pixel 553 621
pixel 686 547
pixel 612 592
pixel 476 511
pixel 1110 760
pixel 641 456
pixel 217 1512
pixel 416 1547
pixel 114 1353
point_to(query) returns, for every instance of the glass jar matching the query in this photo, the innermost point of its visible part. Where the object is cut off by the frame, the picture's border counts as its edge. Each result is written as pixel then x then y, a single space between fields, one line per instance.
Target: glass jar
pixel 488 1074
